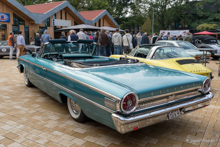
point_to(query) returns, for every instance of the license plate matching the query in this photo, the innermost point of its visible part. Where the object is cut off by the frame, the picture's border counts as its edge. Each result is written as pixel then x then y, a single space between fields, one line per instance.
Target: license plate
pixel 174 113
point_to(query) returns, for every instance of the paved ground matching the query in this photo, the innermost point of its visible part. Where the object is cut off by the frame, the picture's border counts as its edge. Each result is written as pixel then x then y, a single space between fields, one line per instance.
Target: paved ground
pixel 29 117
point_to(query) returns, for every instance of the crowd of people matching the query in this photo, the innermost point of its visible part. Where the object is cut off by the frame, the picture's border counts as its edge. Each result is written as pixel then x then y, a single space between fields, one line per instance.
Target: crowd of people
pixel 107 42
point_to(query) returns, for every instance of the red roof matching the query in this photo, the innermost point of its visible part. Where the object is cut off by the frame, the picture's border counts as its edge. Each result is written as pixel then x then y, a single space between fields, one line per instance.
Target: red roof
pixel 205 33
pixel 90 15
pixel 43 8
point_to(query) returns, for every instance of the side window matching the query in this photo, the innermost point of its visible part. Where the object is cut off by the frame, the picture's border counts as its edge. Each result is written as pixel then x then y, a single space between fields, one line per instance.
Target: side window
pixel 158 54
pixel 170 44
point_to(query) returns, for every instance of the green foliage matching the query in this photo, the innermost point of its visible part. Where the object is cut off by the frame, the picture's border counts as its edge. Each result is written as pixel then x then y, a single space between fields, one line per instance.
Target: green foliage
pixel 147 26
pixel 204 11
pixel 206 26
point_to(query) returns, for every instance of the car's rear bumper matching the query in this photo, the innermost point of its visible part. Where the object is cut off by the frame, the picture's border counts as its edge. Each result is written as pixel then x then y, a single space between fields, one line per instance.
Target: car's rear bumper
pixel 131 123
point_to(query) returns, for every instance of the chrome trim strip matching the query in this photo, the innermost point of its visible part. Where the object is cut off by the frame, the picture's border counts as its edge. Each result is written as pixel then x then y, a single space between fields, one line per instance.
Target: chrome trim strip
pixel 79 82
pixel 69 91
pixel 167 94
pixel 127 124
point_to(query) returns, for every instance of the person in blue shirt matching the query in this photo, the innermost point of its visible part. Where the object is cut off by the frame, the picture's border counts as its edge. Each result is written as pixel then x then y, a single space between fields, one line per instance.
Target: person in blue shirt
pixel 45 37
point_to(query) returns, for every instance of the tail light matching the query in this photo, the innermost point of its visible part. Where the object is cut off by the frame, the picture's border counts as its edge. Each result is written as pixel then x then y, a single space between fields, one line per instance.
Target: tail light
pixel 197 57
pixel 129 103
pixel 206 86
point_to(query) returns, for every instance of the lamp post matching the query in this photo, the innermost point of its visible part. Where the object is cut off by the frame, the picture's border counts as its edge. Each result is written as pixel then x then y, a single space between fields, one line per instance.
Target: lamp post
pixel 153 24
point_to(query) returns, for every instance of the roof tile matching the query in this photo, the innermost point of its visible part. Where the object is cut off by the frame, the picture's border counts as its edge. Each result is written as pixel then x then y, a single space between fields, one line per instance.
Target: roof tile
pixel 43 8
pixel 91 15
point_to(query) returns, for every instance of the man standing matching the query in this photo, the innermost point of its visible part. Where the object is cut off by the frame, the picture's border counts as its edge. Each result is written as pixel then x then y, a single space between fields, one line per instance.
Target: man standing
pixel 103 42
pixel 11 44
pixel 109 46
pixel 127 39
pixel 81 34
pixel 37 39
pixel 138 37
pixel 188 37
pixel 63 36
pixel 145 39
pixel 117 41
pixel 45 37
pixel 154 38
pixel 21 44
pixel 73 36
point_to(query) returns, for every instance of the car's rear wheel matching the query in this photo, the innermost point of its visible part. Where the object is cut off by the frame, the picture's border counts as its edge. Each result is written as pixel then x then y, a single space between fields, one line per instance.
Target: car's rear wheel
pixel 27 81
pixel 75 111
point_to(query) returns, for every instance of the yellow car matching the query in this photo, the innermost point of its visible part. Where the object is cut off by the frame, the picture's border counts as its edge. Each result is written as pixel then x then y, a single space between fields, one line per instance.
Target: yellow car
pixel 168 57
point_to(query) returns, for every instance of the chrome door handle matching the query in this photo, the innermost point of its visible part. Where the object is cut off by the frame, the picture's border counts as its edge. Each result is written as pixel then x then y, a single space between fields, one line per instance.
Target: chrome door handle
pixel 44 68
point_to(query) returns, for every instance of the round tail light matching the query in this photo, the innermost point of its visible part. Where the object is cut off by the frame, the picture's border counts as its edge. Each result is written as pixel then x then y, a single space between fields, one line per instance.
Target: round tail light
pixel 129 103
pixel 206 86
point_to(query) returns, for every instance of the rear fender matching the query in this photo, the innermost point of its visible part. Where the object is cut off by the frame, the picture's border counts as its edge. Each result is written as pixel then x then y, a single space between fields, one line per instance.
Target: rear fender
pixel 63 96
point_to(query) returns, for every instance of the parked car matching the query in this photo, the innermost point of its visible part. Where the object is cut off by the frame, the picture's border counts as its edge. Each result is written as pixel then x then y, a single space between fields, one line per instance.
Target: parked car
pixel 5 49
pixel 204 41
pixel 187 46
pixel 168 57
pixel 125 95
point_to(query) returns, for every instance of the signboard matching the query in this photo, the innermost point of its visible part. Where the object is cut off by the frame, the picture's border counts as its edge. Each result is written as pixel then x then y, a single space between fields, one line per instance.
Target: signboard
pixel 60 22
pixel 174 32
pixel 4 17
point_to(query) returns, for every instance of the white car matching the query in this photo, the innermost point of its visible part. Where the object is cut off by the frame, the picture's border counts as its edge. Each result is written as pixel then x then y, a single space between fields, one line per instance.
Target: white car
pixel 187 46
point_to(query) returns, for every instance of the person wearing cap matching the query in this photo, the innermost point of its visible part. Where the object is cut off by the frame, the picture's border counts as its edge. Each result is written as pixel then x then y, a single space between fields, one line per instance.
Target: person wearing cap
pixel 45 37
pixel 11 44
pixel 21 44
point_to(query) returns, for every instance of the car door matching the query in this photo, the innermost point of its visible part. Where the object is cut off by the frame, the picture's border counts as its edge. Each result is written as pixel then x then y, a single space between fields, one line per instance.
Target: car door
pixel 38 72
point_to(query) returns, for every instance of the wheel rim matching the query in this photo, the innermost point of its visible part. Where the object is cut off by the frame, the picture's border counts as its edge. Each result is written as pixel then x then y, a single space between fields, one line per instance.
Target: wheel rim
pixel 75 108
pixel 25 78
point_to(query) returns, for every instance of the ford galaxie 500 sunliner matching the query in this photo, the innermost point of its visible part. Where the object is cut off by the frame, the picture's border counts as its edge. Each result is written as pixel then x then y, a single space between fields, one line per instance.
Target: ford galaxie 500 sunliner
pixel 125 95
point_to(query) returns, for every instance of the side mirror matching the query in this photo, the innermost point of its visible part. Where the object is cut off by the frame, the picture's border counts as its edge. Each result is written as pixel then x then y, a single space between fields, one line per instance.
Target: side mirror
pixel 33 55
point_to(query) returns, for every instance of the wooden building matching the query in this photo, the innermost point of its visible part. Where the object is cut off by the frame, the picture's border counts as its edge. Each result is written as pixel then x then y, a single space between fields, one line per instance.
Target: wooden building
pixel 51 16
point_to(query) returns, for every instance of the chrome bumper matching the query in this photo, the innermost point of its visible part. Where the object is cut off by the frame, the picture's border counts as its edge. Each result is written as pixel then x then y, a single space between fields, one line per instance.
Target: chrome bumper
pixel 131 123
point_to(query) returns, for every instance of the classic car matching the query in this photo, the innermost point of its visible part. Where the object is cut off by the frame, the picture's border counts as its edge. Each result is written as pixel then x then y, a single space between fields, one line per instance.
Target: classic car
pixel 125 95
pixel 5 49
pixel 204 41
pixel 169 57
pixel 188 47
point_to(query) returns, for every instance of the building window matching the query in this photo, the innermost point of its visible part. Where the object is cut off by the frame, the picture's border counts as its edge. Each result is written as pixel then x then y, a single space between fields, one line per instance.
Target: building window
pixel 95 24
pixel 61 16
pixel 54 16
pixel 47 22
pixel 75 23
pixel 65 16
pixel 103 24
pixel 15 29
pixel 18 20
pixel 99 22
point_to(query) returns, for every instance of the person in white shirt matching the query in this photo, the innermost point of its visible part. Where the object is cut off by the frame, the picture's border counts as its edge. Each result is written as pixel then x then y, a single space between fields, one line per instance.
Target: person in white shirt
pixel 117 41
pixel 81 35
pixel 21 44
pixel 127 39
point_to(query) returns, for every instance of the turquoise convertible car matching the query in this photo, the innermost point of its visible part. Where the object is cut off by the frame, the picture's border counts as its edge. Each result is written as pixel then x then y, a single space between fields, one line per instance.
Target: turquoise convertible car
pixel 123 94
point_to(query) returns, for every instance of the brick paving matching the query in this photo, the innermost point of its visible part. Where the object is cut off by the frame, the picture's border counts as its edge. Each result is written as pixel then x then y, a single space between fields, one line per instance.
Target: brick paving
pixel 29 117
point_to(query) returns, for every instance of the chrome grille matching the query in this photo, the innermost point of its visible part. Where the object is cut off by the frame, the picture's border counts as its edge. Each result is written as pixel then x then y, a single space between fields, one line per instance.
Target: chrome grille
pixel 167 98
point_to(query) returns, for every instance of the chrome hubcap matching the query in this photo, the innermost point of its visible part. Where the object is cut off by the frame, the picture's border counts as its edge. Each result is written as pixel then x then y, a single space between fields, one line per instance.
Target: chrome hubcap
pixel 25 78
pixel 75 108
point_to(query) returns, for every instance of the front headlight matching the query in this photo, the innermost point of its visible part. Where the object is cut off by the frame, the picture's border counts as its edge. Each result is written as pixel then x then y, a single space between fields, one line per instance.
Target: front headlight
pixel 206 86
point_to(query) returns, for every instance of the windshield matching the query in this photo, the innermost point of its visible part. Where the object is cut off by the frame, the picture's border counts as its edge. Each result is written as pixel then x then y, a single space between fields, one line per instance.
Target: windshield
pixel 69 48
pixel 169 52
pixel 141 51
pixel 186 45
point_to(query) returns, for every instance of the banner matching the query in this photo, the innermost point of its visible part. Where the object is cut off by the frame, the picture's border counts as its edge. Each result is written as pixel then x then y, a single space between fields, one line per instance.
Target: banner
pixel 174 32
pixel 4 17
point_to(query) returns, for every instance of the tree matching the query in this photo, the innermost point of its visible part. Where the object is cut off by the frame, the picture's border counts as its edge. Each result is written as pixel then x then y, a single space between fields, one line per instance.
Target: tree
pixel 147 26
pixel 206 26
pixel 166 12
